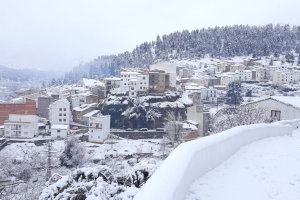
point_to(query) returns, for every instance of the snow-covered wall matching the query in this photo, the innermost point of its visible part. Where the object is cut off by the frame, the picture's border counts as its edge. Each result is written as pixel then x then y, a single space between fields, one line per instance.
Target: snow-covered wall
pixel 193 159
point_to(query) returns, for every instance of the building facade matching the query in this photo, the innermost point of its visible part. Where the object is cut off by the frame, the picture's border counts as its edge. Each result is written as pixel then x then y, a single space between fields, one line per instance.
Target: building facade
pixel 43 106
pixel 134 83
pixel 99 128
pixel 159 81
pixel 59 112
pixel 59 131
pixel 21 126
pixel 26 108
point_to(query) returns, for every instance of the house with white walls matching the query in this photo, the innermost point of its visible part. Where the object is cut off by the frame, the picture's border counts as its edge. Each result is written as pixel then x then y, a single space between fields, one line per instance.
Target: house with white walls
pixel 228 77
pixel 60 117
pixel 21 126
pixel 134 83
pixel 99 128
pixel 59 131
pixel 112 83
pixel 278 108
pixel 262 74
pixel 59 112
pixel 245 75
pixel 209 94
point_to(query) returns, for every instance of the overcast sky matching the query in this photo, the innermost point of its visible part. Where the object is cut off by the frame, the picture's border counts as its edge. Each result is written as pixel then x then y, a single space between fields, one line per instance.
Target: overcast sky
pixel 59 34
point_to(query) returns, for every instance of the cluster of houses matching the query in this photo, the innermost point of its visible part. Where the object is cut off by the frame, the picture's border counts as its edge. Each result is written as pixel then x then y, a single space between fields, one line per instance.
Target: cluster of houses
pixel 59 114
pixel 65 110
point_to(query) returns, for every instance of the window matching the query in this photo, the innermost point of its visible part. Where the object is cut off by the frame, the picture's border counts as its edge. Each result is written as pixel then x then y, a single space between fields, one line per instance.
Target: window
pixel 275 115
pixel 60 109
pixel 58 131
pixel 65 120
pixel 65 114
pixel 60 114
pixel 59 120
pixel 91 124
pixel 65 109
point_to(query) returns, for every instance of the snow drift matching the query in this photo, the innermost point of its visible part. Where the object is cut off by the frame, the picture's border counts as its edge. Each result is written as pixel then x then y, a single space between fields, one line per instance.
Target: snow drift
pixel 192 159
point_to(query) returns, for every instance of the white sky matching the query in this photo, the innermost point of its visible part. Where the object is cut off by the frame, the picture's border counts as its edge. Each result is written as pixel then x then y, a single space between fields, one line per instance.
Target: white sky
pixel 59 34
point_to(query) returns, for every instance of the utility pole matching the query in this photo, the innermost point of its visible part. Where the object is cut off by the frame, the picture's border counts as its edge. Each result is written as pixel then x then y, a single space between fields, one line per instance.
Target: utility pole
pixel 49 152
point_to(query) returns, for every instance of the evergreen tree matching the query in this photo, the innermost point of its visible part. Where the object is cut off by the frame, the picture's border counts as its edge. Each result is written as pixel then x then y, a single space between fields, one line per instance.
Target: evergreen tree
pixel 248 93
pixel 234 94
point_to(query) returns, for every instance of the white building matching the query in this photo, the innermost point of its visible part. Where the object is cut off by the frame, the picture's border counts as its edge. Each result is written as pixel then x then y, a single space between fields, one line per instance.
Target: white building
pixel 207 94
pixel 285 76
pixel 112 83
pixel 229 77
pixel 59 112
pixel 90 83
pixel 99 128
pixel 59 131
pixel 134 83
pixel 262 74
pixel 21 126
pixel 278 107
pixel 245 75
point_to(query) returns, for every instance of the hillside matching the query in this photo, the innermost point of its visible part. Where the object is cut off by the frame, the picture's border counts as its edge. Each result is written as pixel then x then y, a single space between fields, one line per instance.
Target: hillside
pixel 228 41
pixel 23 75
pixel 12 80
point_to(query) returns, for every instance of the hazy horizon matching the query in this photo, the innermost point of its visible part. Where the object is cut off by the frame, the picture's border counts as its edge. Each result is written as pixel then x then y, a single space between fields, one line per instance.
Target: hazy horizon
pixel 58 35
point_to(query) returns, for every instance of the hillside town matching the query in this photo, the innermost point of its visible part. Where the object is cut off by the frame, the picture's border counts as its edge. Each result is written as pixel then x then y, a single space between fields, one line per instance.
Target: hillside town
pixel 198 88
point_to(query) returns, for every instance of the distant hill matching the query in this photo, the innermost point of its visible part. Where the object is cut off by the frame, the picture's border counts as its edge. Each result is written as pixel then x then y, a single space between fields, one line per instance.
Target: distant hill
pixel 227 41
pixel 25 75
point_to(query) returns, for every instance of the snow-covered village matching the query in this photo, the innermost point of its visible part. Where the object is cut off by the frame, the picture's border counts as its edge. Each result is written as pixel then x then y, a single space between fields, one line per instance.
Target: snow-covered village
pixel 210 113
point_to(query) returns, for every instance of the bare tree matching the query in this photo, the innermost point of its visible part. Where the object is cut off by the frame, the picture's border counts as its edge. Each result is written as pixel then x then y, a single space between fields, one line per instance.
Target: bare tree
pixel 230 117
pixel 174 129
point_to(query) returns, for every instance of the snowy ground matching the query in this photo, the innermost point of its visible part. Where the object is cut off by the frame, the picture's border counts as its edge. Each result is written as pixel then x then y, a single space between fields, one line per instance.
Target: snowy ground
pixel 122 156
pixel 265 170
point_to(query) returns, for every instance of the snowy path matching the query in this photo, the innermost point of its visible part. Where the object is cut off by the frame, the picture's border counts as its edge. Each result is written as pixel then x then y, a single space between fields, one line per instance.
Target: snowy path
pixel 265 170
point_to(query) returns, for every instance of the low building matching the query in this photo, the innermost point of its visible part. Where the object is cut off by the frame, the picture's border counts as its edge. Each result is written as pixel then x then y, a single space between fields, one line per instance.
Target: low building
pixel 83 98
pixel 80 111
pixel 112 83
pixel 99 128
pixel 59 131
pixel 26 107
pixel 278 108
pixel 208 95
pixel 197 114
pixel 229 77
pixel 86 117
pixel 21 126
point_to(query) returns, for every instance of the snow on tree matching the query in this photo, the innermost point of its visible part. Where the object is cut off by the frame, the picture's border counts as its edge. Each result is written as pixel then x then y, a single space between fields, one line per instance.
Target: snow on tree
pixel 234 94
pixel 73 154
pixel 229 117
pixel 227 41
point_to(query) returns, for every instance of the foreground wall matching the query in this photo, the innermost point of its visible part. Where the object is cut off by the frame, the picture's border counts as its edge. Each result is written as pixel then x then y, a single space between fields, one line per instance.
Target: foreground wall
pixel 193 159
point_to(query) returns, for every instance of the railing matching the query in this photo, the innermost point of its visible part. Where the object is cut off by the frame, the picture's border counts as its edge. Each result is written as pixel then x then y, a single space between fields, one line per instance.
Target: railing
pixel 193 159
